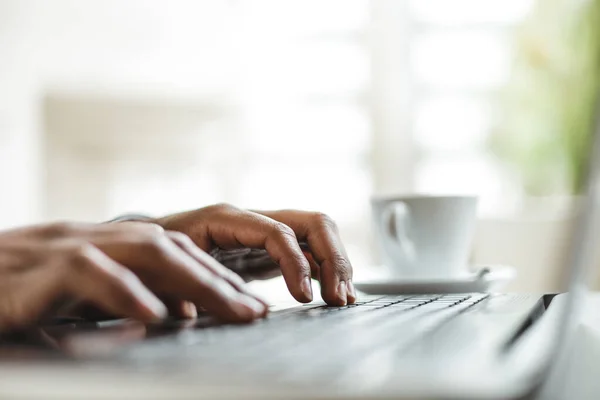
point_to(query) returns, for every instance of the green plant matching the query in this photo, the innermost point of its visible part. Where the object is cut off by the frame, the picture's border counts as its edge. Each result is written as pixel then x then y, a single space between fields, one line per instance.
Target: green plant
pixel 549 104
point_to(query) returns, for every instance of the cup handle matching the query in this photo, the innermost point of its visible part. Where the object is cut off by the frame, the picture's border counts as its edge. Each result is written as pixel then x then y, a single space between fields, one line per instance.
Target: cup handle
pixel 396 220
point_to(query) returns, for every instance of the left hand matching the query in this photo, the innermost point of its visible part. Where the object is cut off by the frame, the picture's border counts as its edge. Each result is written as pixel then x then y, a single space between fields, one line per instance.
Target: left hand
pixel 279 233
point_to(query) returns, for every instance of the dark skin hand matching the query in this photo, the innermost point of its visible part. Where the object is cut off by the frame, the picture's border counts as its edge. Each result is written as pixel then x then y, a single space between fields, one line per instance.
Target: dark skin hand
pixel 146 270
pixel 121 269
pixel 278 232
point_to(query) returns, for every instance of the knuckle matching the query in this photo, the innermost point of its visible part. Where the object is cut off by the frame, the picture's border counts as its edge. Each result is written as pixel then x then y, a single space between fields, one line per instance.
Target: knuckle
pixel 74 257
pixel 341 266
pixel 78 257
pixel 221 208
pixel 80 252
pixel 282 230
pixel 154 229
pixel 154 245
pixel 324 220
pixel 59 229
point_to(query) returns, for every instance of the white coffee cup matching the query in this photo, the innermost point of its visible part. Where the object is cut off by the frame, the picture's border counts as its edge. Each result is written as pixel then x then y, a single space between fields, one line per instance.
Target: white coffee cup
pixel 425 236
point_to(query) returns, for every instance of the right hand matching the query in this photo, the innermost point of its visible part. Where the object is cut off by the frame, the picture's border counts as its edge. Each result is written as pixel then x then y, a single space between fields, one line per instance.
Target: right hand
pixel 122 268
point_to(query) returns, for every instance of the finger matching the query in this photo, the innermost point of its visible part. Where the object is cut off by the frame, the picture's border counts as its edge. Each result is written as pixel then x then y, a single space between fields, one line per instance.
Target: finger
pixel 180 308
pixel 188 309
pixel 97 278
pixel 186 244
pixel 30 294
pixel 167 269
pixel 322 236
pixel 315 269
pixel 235 228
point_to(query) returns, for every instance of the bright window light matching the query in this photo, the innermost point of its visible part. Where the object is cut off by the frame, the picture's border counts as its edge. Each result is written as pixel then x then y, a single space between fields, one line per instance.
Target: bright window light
pixel 458 12
pixel 469 59
pixel 452 123
pixel 303 129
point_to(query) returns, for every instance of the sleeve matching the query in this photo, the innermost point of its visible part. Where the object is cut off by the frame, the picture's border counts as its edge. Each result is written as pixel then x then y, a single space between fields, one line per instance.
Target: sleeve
pixel 130 217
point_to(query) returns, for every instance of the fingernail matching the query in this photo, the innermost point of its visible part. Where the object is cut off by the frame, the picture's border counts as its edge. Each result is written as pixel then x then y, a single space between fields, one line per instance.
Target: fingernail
pixel 306 287
pixel 351 291
pixel 342 293
pixel 158 309
pixel 190 310
pixel 255 305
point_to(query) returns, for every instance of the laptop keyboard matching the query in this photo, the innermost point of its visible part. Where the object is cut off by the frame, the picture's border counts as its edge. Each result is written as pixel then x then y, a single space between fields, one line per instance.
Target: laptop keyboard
pixel 379 308
pixel 381 315
pixel 302 332
pixel 366 344
pixel 406 302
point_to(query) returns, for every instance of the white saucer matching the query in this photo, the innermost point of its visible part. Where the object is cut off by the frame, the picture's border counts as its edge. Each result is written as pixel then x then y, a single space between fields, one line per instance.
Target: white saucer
pixel 485 279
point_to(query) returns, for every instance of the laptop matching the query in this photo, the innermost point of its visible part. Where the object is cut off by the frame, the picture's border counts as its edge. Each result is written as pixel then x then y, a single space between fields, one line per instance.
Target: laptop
pixel 466 345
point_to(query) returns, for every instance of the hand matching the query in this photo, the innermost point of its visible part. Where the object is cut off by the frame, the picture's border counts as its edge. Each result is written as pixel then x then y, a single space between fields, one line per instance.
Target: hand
pixel 121 268
pixel 279 233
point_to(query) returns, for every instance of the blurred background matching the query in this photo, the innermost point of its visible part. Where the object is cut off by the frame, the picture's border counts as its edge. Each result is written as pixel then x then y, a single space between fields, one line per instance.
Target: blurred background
pixel 115 106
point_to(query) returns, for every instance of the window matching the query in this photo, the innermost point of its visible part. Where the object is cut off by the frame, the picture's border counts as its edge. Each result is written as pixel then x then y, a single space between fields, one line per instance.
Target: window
pixel 270 104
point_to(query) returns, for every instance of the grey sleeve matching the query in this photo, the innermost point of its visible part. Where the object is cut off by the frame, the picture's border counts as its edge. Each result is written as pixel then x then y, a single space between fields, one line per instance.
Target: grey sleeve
pixel 130 217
